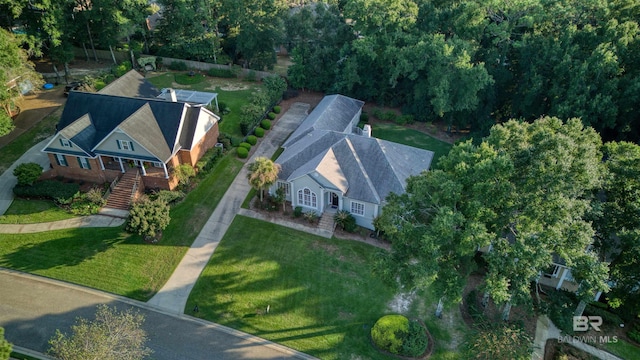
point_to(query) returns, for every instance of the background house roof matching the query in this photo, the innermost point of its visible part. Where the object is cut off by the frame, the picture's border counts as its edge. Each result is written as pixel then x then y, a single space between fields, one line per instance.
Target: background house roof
pixel 131 84
pixel 334 112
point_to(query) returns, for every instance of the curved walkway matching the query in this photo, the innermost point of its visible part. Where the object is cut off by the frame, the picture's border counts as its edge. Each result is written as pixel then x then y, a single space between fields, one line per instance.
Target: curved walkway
pixel 174 294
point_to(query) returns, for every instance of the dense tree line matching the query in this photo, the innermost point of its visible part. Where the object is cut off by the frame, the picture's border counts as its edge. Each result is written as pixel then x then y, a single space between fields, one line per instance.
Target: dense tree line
pixel 476 63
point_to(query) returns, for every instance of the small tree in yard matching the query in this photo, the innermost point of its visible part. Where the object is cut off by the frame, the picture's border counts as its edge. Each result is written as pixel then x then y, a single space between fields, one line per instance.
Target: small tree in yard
pixel 148 218
pixel 27 173
pixel 262 174
pixel 281 198
pixel 113 335
pixel 5 346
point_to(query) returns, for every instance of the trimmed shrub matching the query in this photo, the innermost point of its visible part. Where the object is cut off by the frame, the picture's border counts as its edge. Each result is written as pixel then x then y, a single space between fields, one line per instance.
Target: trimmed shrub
pixel 389 332
pixel 235 141
pixel 416 342
pixel 209 159
pixel 265 124
pixel 27 173
pixel 311 216
pixel 245 145
pixel 242 152
pixel 252 140
pixel 148 218
pixel 222 73
pixel 271 116
pixel 297 211
pixel 88 203
pixel 277 109
pixel 178 66
pixel 345 220
pixel 184 173
pixel 245 126
pixel 49 189
pixel 225 140
pixel 169 196
pixel 259 132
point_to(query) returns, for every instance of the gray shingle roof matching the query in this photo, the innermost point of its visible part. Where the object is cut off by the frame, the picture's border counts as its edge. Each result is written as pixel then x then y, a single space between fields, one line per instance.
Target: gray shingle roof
pixel 334 112
pixel 142 127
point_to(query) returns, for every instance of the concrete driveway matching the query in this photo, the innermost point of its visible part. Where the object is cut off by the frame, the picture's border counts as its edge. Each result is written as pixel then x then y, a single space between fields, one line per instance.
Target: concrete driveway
pixel 32 308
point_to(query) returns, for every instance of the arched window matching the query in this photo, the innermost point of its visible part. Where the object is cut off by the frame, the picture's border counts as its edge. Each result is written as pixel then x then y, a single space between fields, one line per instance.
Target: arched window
pixel 307 198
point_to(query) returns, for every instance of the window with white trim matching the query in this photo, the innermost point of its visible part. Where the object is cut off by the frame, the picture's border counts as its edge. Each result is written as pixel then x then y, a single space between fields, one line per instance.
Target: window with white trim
pixel 125 145
pixel 357 208
pixel 307 198
pixel 65 142
pixel 84 162
pixel 285 187
pixel 157 164
pixel 61 160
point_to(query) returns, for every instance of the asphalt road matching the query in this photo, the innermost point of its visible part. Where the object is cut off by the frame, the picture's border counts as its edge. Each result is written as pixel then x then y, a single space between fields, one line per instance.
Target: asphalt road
pixel 32 308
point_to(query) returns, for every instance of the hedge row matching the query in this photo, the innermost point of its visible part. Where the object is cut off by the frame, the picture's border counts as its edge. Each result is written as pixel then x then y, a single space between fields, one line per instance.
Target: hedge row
pixel 49 189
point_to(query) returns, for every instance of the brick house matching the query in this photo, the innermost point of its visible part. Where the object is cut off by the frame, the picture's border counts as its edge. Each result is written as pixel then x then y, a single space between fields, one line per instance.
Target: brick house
pixel 103 135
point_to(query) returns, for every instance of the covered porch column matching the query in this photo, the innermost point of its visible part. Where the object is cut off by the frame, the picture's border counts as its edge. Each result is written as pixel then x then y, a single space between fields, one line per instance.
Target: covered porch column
pixel 166 173
pixel 101 163
pixel 121 166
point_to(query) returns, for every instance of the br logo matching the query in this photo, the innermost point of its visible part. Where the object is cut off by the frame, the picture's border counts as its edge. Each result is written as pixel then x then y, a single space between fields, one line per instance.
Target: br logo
pixel 582 323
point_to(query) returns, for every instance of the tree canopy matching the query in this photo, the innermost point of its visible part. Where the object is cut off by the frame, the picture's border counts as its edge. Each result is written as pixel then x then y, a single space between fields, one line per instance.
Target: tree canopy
pixel 525 190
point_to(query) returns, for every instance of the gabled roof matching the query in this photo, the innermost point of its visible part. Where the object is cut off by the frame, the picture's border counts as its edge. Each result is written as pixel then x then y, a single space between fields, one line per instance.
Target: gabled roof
pixel 142 127
pixel 364 168
pixel 334 112
pixel 131 84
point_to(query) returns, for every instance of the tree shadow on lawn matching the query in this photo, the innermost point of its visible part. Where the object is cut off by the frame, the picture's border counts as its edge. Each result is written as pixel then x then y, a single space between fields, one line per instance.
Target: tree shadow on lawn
pixel 63 248
pixel 321 295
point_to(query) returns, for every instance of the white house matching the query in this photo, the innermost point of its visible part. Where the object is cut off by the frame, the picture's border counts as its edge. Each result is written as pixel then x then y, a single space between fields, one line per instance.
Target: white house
pixel 329 164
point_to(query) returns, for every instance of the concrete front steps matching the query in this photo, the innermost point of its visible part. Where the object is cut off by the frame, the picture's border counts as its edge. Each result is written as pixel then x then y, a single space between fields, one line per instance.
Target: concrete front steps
pixel 326 222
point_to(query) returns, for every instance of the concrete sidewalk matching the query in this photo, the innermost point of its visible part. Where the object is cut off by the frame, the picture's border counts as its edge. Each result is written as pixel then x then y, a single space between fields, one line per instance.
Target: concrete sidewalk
pixel 174 294
pixel 8 181
pixel 77 222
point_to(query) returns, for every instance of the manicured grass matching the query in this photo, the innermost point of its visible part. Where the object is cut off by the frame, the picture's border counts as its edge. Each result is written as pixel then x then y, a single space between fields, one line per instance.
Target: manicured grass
pixel 186 79
pixel 12 151
pixel 322 296
pixel 624 349
pixel 24 211
pixel 233 98
pixel 406 136
pixel 110 259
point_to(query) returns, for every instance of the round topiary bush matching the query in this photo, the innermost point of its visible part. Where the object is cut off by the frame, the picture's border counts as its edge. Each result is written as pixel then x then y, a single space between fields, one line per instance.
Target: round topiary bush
pixel 245 145
pixel 397 335
pixel 242 152
pixel 251 139
pixel 271 116
pixel 265 124
pixel 259 132
pixel 276 109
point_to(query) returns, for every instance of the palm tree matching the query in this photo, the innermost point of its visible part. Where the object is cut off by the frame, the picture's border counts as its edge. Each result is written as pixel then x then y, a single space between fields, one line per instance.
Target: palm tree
pixel 262 174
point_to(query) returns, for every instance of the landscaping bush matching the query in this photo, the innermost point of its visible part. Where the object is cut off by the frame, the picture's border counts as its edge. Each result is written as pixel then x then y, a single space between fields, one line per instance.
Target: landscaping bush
pixel 297 211
pixel 416 341
pixel 345 220
pixel 290 93
pixel 184 173
pixel 169 197
pixel 607 317
pixel 209 159
pixel 404 119
pixel 148 217
pixel 252 139
pixel 245 126
pixel 271 116
pixel 265 124
pixel 235 141
pixel 311 217
pixel 259 132
pixel 473 309
pixel 245 145
pixel 561 305
pixel 251 76
pixel 61 192
pixel 88 203
pixel 178 66
pixel 277 109
pixel 27 173
pixel 634 333
pixel 364 117
pixel 222 73
pixel 389 332
pixel 223 108
pixel 243 153
pixel 121 69
pixel 275 86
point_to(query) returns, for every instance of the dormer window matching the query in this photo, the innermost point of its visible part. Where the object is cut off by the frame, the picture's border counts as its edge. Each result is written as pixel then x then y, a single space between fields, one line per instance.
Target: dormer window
pixel 65 143
pixel 125 145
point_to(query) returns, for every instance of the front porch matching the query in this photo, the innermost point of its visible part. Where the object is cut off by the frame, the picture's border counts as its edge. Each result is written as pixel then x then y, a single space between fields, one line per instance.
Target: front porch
pixel 155 174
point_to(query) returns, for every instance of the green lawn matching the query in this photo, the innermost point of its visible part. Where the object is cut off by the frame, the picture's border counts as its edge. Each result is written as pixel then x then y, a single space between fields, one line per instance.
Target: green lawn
pixel 322 296
pixel 110 259
pixel 624 350
pixel 233 98
pixel 24 211
pixel 12 151
pixel 406 136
